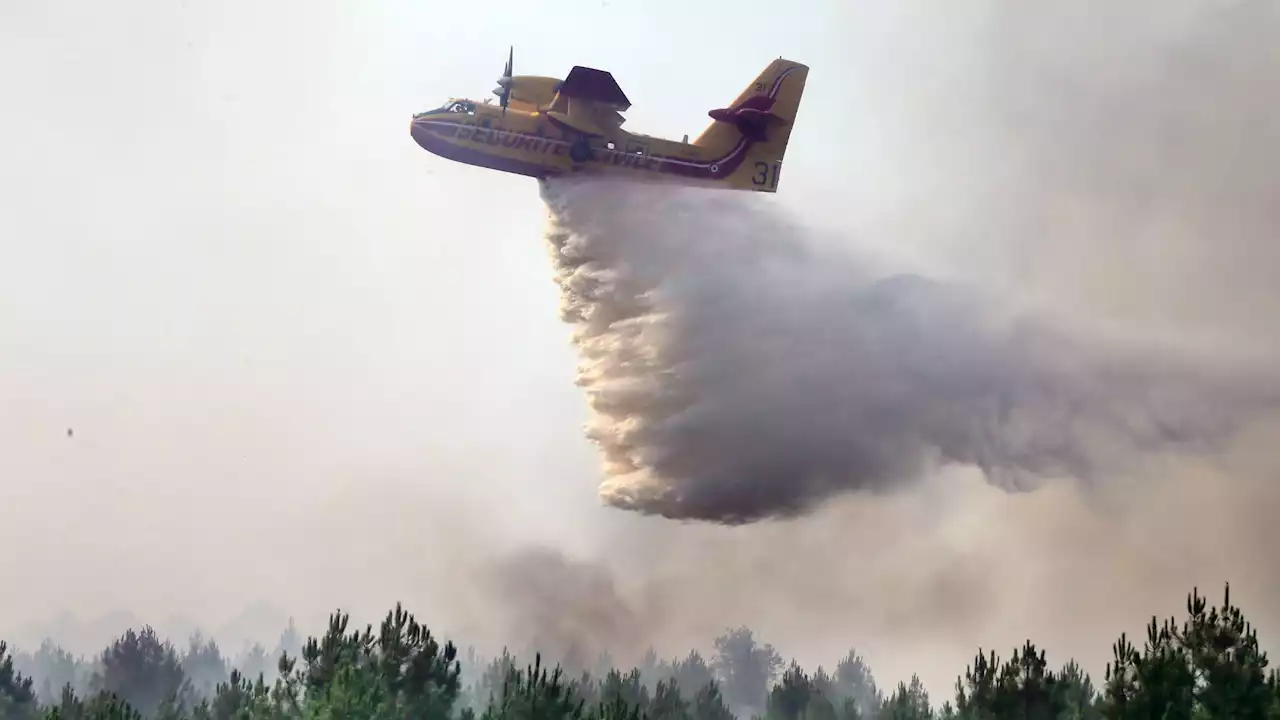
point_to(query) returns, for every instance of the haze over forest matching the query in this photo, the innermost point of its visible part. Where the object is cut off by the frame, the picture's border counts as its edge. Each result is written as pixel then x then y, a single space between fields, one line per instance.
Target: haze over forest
pixel 305 367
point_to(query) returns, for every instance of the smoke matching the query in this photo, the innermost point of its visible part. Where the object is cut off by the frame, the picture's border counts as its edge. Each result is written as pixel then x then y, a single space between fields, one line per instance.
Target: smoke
pixel 1109 166
pixel 738 368
pixel 571 610
pixel 1111 162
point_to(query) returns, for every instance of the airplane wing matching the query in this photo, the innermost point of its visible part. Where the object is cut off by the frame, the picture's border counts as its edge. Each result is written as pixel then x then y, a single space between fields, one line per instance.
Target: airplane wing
pixel 597 86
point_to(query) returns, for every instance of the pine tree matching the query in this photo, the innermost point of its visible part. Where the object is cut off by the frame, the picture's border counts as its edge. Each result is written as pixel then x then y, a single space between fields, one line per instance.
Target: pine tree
pixel 145 672
pixel 17 698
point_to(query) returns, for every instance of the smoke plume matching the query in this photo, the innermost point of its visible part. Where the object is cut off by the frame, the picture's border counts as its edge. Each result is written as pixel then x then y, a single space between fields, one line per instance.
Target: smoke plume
pixel 738 369
pixel 1111 164
pixel 570 610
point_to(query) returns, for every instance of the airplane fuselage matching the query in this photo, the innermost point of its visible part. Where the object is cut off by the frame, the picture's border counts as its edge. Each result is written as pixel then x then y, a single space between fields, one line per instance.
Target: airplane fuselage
pixel 574 126
pixel 530 143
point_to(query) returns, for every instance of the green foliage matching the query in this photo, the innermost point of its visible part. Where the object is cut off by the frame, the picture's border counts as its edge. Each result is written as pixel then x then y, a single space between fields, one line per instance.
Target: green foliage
pixel 692 672
pixel 100 706
pixel 1208 667
pixel 237 699
pixel 204 666
pixel 790 697
pixel 668 703
pixel 908 702
pixel 849 709
pixel 709 704
pixel 144 671
pixel 17 699
pixel 54 668
pixel 532 694
pixel 403 671
pixel 1022 688
pixel 254 663
pixel 745 669
pixel 1079 699
pixel 627 689
pixel 854 686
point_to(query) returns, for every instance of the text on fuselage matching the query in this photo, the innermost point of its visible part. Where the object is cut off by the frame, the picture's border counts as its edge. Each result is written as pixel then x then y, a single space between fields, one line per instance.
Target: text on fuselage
pixel 542 145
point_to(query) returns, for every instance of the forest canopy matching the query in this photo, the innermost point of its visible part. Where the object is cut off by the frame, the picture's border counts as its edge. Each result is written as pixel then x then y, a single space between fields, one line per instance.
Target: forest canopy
pixel 1206 665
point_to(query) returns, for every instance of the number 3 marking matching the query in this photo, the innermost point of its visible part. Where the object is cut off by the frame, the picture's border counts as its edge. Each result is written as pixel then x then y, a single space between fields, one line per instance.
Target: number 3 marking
pixel 766 174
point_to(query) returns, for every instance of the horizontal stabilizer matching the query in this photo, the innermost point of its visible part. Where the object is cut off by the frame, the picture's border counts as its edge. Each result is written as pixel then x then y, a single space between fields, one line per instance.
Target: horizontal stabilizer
pixel 752 117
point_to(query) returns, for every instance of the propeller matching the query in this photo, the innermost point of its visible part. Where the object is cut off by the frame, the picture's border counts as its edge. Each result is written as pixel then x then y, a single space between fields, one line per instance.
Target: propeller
pixel 503 91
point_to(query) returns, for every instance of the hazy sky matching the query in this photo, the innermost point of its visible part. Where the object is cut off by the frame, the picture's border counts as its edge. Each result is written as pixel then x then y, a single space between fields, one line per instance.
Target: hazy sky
pixel 306 362
pixel 227 266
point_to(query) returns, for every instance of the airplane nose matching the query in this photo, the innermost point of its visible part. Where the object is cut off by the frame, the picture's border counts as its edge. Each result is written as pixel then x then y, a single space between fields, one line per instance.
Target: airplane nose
pixel 418 132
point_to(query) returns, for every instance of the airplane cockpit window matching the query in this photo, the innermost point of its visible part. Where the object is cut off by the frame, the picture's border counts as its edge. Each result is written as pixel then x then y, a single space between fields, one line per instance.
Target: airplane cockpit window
pixel 453 106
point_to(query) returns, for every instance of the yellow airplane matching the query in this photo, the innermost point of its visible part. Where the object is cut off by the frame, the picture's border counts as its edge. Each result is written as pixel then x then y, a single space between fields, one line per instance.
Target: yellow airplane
pixel 543 127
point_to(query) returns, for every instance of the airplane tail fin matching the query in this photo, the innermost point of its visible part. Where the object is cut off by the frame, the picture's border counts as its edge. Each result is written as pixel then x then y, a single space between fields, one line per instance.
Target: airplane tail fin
pixel 764 115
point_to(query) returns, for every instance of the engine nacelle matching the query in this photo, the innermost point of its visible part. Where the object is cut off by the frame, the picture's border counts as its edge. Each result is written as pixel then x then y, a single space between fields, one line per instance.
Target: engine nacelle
pixel 532 90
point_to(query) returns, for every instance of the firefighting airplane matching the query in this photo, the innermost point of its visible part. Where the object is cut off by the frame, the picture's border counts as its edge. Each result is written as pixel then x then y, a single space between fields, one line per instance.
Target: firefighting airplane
pixel 543 127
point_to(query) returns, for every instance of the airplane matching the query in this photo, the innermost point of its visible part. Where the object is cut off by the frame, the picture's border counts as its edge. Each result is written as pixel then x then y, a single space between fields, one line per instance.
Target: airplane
pixel 544 127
